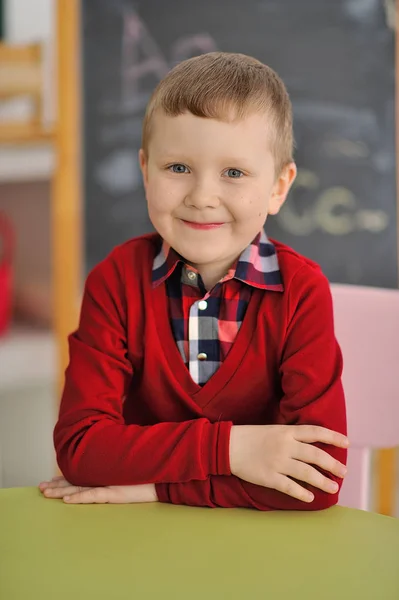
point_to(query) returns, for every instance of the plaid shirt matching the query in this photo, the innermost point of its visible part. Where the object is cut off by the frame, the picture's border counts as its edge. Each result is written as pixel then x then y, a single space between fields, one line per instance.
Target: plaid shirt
pixel 205 323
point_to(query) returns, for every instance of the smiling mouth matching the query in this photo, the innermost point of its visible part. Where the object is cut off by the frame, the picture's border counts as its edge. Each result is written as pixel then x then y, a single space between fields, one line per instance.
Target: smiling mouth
pixel 195 225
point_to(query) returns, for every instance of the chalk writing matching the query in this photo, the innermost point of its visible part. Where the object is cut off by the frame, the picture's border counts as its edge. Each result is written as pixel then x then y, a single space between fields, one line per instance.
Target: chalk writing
pixel 144 64
pixel 141 57
pixel 118 173
pixel 192 45
pixel 335 211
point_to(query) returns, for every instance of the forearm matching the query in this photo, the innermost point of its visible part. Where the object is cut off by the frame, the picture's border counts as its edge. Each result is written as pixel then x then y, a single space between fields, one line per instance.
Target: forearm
pixel 94 445
pixel 231 492
pixel 110 453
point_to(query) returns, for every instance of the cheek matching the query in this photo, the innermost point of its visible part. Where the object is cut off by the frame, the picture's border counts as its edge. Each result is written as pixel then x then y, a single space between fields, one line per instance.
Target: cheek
pixel 161 199
pixel 250 208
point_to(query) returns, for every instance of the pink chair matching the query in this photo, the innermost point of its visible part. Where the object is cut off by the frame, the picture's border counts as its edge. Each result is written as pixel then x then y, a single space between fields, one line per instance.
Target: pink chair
pixel 367 328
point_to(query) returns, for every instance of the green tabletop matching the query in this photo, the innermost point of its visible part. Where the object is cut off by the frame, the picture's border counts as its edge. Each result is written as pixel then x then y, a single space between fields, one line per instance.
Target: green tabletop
pixel 49 550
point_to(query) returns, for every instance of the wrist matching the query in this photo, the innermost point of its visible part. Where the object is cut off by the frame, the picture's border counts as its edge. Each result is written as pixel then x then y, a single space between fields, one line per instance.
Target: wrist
pixel 240 437
pixel 143 493
pixel 152 493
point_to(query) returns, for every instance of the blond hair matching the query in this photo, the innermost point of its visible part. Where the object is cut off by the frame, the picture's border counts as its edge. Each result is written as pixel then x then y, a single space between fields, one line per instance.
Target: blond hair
pixel 220 84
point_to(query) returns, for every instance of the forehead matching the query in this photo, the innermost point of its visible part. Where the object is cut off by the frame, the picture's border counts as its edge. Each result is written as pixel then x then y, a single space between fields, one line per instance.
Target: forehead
pixel 249 134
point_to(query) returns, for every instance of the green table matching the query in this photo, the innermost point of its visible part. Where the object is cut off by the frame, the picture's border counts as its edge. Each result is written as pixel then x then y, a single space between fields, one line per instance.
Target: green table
pixel 49 550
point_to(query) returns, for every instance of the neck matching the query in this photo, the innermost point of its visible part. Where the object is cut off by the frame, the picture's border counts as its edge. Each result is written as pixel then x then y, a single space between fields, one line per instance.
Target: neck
pixel 211 274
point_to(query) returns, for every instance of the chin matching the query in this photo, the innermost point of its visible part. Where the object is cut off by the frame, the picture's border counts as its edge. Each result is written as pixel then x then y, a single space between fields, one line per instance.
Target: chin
pixel 196 257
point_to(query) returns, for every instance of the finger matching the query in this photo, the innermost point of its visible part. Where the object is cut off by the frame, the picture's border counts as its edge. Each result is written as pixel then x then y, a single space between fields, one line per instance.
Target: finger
pixel 61 483
pixel 292 488
pixel 100 495
pixel 313 433
pixel 60 492
pixel 57 478
pixel 307 474
pixel 315 456
pixel 44 485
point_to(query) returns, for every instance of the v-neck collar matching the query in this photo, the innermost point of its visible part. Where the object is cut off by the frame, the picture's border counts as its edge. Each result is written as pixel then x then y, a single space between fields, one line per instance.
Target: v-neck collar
pixel 204 394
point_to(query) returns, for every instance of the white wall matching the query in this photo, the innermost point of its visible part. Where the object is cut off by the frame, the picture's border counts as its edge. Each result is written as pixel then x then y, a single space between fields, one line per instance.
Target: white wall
pixel 30 21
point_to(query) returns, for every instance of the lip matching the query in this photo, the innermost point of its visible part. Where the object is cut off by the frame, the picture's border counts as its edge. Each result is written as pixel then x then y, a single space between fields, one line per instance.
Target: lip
pixel 203 226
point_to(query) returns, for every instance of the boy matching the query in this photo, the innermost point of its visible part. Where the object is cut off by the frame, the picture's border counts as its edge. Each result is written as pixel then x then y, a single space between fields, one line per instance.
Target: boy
pixel 205 369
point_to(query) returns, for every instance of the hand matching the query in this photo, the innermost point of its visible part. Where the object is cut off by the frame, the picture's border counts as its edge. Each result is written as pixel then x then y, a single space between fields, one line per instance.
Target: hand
pixel 270 455
pixel 58 487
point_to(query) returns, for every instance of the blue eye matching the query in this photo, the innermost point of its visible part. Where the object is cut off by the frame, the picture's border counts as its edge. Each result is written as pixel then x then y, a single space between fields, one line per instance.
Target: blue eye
pixel 234 173
pixel 178 168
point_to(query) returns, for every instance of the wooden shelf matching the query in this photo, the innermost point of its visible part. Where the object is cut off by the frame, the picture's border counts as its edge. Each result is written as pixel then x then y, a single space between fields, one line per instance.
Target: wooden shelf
pixel 16 134
pixel 22 75
pixel 28 162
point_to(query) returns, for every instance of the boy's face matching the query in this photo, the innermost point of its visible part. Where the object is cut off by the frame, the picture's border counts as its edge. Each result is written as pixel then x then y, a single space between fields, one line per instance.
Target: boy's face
pixel 211 184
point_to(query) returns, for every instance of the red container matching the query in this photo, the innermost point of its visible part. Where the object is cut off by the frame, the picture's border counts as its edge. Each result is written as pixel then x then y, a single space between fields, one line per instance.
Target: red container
pixel 6 273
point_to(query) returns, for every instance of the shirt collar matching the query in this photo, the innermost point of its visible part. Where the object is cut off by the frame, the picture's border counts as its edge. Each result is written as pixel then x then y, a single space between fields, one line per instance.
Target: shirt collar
pixel 256 266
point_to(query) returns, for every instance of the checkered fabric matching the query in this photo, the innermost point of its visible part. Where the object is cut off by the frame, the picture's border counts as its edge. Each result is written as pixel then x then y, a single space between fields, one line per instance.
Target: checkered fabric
pixel 205 323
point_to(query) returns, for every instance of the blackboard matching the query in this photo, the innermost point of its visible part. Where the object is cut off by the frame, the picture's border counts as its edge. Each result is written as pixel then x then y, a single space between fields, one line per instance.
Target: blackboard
pixel 337 60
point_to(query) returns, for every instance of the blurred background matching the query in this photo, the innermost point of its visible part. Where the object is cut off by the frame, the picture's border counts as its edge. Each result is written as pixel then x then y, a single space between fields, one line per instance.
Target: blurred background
pixel 28 362
pixel 75 78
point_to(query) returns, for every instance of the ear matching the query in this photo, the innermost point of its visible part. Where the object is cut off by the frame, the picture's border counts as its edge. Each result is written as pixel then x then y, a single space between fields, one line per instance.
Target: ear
pixel 143 166
pixel 281 188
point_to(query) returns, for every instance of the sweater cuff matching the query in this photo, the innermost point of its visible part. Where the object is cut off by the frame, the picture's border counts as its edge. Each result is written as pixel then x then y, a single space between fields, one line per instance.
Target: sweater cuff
pixel 162 490
pixel 219 448
pixel 215 454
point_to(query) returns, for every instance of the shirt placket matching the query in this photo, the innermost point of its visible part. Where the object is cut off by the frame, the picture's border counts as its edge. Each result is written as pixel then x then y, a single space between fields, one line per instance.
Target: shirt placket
pixel 201 334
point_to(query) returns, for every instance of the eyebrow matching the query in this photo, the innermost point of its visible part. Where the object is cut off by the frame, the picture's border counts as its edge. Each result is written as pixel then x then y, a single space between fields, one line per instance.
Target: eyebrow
pixel 227 161
pixel 169 156
pixel 236 160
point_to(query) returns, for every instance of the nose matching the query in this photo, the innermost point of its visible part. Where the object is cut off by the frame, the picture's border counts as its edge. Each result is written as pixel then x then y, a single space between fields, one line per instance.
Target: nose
pixel 203 194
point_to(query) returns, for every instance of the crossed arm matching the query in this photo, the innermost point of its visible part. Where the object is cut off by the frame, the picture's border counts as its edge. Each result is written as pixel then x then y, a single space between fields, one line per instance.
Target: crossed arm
pixel 297 464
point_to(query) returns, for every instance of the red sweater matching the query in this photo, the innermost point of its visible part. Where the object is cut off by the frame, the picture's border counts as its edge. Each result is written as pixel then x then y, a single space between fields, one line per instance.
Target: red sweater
pixel 131 413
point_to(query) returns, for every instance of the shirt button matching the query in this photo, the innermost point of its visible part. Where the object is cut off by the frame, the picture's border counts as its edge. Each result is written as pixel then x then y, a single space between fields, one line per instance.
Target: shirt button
pixel 192 276
pixel 202 304
pixel 202 356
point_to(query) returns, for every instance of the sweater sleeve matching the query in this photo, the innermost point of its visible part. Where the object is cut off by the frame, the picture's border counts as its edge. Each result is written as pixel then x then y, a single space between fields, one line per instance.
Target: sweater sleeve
pixel 93 444
pixel 310 371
